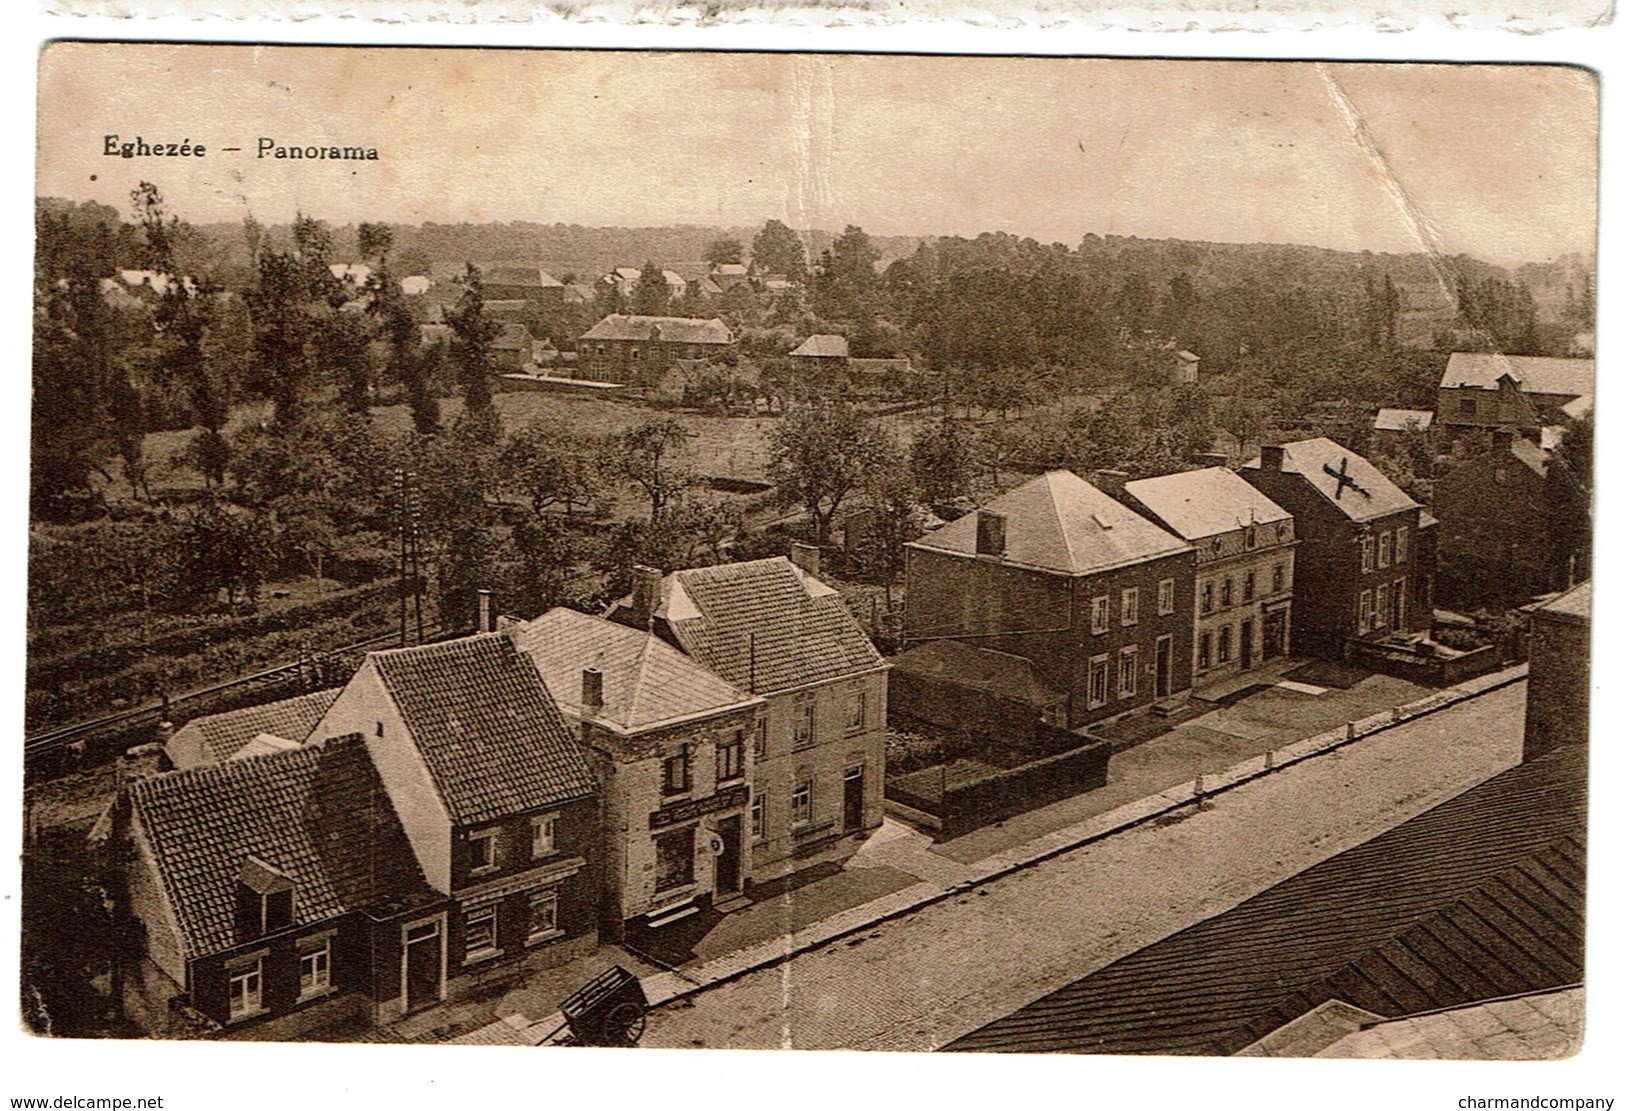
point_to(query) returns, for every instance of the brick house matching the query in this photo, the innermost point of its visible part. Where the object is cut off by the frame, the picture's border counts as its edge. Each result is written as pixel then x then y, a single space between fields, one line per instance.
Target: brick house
pixel 1487 391
pixel 671 744
pixel 271 893
pixel 1558 708
pixel 771 627
pixel 1098 597
pixel 637 350
pixel 1244 544
pixel 1363 568
pixel 497 802
pixel 1497 533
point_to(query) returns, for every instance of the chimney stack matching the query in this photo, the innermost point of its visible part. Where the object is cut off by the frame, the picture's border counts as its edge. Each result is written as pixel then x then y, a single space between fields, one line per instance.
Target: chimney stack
pixel 645 595
pixel 485 612
pixel 1270 457
pixel 592 689
pixel 989 533
pixel 806 556
pixel 1110 483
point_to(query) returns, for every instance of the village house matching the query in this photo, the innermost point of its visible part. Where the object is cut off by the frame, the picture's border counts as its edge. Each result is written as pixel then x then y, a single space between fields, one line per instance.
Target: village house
pixel 728 276
pixel 271 892
pixel 252 731
pixel 1057 572
pixel 530 284
pixel 1244 544
pixel 670 743
pixel 1362 569
pixel 820 362
pixel 637 350
pixel 1558 709
pixel 772 628
pixel 497 802
pixel 1488 391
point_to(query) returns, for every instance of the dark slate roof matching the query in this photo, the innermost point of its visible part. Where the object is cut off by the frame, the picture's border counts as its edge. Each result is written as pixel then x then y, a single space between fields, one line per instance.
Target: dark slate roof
pixel 1534 374
pixel 666 329
pixel 218 737
pixel 317 815
pixel 765 625
pixel 492 737
pixel 1479 898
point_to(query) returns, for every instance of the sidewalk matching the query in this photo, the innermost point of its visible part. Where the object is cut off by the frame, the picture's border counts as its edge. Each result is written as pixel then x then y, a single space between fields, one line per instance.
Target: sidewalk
pixel 900 870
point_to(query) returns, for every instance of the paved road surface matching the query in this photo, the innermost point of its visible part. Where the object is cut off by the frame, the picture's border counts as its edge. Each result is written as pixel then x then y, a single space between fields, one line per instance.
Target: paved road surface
pixel 921 981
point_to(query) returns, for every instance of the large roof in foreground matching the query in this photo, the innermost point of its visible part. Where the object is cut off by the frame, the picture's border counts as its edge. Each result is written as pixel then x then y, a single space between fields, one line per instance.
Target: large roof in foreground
pixel 647 682
pixel 1479 898
pixel 1058 522
pixel 1198 504
pixel 1320 461
pixel 1534 374
pixel 490 734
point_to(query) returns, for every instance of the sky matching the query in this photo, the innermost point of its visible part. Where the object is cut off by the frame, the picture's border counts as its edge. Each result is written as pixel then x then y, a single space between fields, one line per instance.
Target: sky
pixel 1495 161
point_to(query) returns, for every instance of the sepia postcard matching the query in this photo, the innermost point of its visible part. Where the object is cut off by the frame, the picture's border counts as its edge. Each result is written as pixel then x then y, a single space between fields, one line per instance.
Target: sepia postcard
pixel 577 548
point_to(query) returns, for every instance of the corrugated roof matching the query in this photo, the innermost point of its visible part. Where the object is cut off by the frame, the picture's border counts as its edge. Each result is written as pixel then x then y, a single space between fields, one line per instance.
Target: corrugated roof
pixel 1403 420
pixel 666 329
pixel 1320 461
pixel 1198 504
pixel 822 347
pixel 646 681
pixel 1480 897
pixel 998 673
pixel 217 737
pixel 1534 374
pixel 1058 522
pixel 489 732
pixel 317 815
pixel 765 625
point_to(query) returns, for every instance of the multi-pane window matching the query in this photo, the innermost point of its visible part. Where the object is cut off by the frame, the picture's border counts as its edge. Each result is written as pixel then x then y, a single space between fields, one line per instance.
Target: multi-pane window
pixel 1224 644
pixel 758 817
pixel 1207 597
pixel 801 803
pixel 804 735
pixel 1128 672
pixel 1098 670
pixel 1226 592
pixel 1100 613
pixel 1278 578
pixel 482 850
pixel 1204 652
pixel 1131 606
pixel 731 757
pixel 1165 597
pixel 674 778
pixel 544 915
pixel 246 990
pixel 1367 561
pixel 759 746
pixel 1402 538
pixel 857 712
pixel 480 932
pixel 316 968
pixel 1249 586
pixel 674 859
pixel 1365 611
pixel 1380 615
pixel 543 828
pixel 1385 549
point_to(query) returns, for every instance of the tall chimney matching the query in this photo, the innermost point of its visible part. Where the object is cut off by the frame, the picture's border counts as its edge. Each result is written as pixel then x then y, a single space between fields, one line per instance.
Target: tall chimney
pixel 806 556
pixel 645 595
pixel 1270 457
pixel 485 611
pixel 1110 482
pixel 990 533
pixel 592 689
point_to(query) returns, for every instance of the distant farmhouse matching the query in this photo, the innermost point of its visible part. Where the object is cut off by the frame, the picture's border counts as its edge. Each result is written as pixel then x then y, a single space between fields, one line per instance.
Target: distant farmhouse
pixel 637 350
pixel 522 283
pixel 1487 391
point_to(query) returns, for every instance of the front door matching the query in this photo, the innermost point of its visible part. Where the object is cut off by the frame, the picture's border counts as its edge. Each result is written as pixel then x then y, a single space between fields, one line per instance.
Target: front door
pixel 423 963
pixel 728 858
pixel 1246 643
pixel 1165 666
pixel 1274 634
pixel 852 800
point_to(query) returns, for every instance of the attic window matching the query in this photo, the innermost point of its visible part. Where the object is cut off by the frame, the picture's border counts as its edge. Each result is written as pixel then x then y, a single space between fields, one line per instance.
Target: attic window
pixel 265 899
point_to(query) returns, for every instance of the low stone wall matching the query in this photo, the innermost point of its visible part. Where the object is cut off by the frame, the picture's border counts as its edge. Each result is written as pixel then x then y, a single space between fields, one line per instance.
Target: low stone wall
pixel 963 803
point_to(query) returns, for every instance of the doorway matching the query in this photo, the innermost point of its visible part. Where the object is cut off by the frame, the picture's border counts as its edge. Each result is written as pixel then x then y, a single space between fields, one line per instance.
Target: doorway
pixel 1246 643
pixel 1165 666
pixel 852 800
pixel 727 879
pixel 1275 634
pixel 423 964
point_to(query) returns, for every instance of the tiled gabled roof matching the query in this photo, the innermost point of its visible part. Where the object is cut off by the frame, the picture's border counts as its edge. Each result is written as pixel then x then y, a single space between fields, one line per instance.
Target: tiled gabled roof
pixel 1371 495
pixel 646 681
pixel 1058 522
pixel 1478 898
pixel 317 815
pixel 218 737
pixel 765 625
pixel 822 347
pixel 491 736
pixel 666 329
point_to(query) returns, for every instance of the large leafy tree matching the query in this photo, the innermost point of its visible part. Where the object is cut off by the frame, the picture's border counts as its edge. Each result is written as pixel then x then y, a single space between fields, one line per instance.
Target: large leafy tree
pixel 726 251
pixel 651 296
pixel 846 286
pixel 472 335
pixel 778 250
pixel 822 453
pixel 653 456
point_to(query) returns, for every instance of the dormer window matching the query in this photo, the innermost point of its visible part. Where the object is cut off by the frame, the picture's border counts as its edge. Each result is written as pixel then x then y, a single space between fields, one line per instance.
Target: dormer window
pixel 265 899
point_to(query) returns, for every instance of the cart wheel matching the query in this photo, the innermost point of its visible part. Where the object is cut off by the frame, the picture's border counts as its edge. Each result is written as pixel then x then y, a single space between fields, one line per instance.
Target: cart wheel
pixel 624 1024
